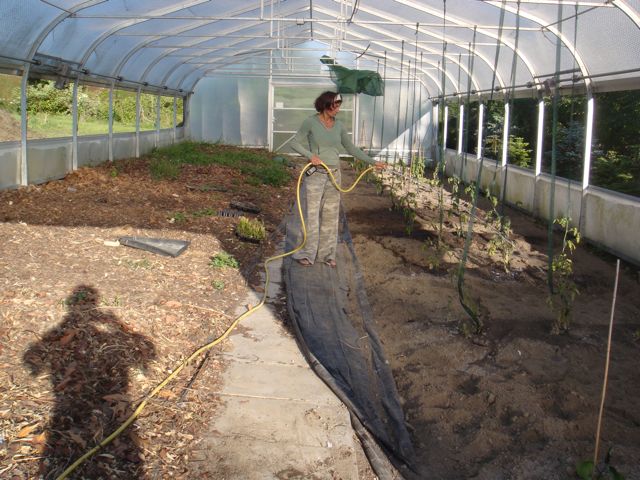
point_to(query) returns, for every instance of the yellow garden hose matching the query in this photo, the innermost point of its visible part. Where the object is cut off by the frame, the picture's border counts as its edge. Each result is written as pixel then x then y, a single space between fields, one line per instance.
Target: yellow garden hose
pixel 226 333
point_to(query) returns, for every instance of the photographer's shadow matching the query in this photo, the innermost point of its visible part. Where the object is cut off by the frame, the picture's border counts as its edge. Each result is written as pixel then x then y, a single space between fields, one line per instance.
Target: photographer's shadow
pixel 89 357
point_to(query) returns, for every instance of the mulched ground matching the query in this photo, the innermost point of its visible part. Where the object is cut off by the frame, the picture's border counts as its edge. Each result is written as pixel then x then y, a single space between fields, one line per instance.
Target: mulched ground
pixel 87 328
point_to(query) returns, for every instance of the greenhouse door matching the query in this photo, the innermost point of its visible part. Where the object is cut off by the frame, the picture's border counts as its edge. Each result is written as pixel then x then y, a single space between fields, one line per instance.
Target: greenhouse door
pixel 292 104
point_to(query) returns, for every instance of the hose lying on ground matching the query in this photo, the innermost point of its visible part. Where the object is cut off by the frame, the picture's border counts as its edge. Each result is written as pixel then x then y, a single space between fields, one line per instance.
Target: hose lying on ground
pixel 226 333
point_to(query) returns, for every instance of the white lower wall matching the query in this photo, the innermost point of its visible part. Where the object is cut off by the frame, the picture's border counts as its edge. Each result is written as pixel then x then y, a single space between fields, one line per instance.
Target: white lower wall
pixel 606 218
pixel 9 164
pixel 49 159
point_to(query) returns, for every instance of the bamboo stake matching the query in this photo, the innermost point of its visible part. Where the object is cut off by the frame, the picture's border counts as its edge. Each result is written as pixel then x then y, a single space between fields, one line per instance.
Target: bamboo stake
pixel 606 370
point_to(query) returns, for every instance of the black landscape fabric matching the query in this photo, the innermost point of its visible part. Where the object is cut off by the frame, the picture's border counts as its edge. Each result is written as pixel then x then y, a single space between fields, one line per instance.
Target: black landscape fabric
pixel 333 320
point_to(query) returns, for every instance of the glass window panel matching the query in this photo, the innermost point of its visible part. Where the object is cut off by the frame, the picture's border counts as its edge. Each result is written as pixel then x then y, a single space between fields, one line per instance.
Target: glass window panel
pixel 453 120
pixel 282 143
pixel 522 132
pixel 470 127
pixel 570 131
pixel 615 157
pixel 493 129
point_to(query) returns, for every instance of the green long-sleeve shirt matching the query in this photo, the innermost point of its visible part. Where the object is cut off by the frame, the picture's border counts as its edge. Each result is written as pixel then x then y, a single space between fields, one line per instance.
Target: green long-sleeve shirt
pixel 313 138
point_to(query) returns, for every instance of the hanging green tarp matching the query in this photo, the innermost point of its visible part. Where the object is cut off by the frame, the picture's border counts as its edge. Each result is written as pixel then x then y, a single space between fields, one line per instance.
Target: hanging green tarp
pixel 354 81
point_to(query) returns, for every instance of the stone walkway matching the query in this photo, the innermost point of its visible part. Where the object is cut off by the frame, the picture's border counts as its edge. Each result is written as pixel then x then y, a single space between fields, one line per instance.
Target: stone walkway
pixel 278 419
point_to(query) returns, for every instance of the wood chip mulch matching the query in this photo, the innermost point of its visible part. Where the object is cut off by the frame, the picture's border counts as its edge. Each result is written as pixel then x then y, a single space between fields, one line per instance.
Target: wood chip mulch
pixel 88 328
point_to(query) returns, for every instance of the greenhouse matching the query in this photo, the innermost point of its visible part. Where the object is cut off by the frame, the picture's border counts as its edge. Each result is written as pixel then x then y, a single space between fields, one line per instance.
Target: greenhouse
pixel 478 316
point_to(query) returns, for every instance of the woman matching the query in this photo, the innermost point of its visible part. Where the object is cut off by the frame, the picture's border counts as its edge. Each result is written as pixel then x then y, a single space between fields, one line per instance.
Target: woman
pixel 319 140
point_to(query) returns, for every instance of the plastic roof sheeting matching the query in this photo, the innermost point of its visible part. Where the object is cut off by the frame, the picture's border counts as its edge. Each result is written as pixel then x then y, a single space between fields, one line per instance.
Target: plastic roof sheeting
pixel 170 45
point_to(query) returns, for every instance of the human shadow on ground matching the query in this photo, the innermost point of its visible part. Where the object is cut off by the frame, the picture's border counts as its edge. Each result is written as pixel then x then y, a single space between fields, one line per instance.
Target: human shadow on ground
pixel 89 356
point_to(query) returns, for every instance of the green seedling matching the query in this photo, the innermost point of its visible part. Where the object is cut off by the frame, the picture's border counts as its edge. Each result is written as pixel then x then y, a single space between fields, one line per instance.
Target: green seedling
pixel 456 205
pixel 178 217
pixel 114 302
pixel 564 288
pixel 605 470
pixel 500 244
pixel 143 264
pixel 223 260
pixel 251 229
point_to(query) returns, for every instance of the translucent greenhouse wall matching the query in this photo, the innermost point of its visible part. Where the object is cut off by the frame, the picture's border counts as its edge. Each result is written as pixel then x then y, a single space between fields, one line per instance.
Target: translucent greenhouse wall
pixel 50 159
pixel 398 125
pixel 606 218
pixel 240 111
pixel 229 110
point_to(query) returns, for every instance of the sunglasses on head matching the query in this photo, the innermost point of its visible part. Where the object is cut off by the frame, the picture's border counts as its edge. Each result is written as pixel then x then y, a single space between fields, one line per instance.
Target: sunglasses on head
pixel 336 103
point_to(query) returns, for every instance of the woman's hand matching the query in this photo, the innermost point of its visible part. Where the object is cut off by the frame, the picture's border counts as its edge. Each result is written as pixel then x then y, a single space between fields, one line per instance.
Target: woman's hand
pixel 315 160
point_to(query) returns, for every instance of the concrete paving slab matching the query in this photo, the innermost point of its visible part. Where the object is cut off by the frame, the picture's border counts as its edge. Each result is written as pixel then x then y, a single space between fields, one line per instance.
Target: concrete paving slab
pixel 254 379
pixel 280 349
pixel 278 420
pixel 301 423
pixel 254 460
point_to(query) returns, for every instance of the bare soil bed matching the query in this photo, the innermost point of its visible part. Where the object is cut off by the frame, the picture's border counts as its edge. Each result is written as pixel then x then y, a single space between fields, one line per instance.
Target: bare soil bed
pixel 515 402
pixel 87 329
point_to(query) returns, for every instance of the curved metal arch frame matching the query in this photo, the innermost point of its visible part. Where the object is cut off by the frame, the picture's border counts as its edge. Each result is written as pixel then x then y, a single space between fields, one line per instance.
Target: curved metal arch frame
pixel 429 62
pixel 186 62
pixel 462 23
pixel 159 37
pixel 391 60
pixel 431 34
pixel 128 23
pixel 195 45
pixel 200 67
pixel 630 12
pixel 57 21
pixel 565 41
pixel 206 72
pixel 622 5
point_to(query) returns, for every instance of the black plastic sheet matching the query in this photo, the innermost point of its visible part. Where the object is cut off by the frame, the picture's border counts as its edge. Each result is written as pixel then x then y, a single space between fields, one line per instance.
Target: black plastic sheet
pixel 333 322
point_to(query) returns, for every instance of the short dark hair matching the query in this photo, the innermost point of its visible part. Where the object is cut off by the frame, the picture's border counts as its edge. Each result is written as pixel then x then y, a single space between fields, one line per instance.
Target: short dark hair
pixel 324 101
